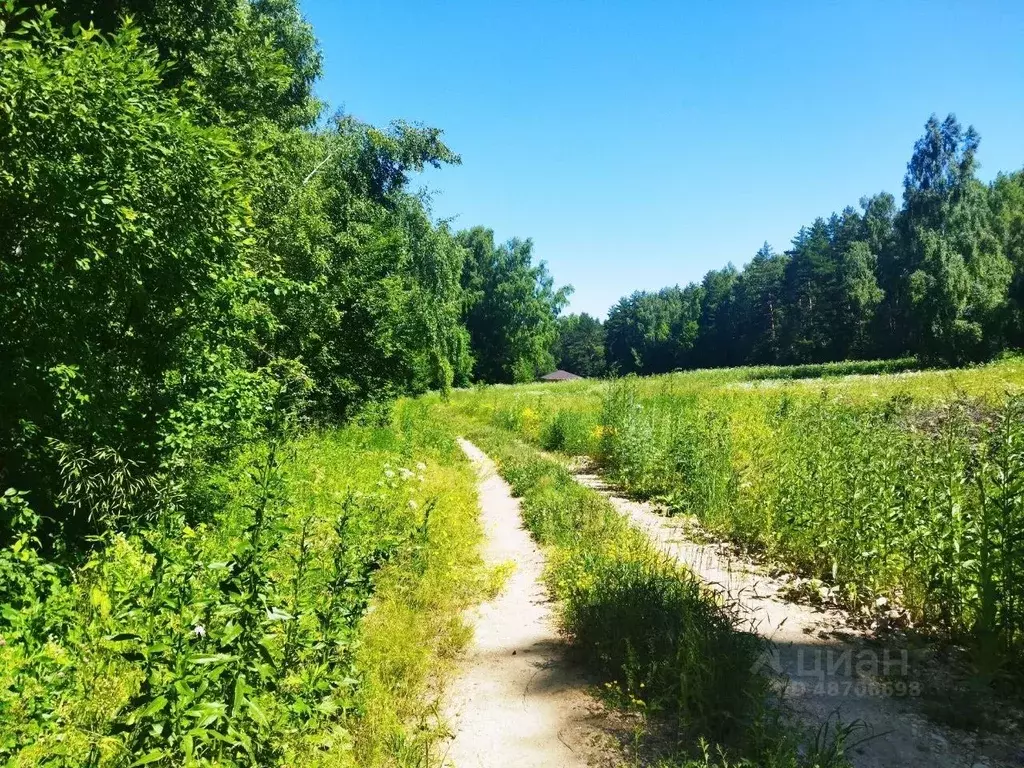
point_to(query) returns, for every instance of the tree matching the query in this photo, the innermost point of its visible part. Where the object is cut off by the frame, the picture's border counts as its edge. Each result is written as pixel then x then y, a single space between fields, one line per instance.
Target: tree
pixel 810 275
pixel 171 290
pixel 854 295
pixel 758 307
pixel 941 278
pixel 858 297
pixel 365 288
pixel 1007 196
pixel 580 345
pixel 510 308
pixel 231 62
pixel 715 340
pixel 957 274
pixel 653 332
pixel 127 304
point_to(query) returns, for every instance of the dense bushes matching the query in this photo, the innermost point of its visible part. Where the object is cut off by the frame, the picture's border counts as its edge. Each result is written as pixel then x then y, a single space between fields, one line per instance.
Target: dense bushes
pixel 125 286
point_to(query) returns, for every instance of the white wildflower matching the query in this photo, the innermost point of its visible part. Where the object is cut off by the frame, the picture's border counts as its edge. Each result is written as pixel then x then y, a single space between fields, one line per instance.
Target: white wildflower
pixel 199 630
pixel 405 473
pixel 413 504
pixel 388 473
pixel 421 466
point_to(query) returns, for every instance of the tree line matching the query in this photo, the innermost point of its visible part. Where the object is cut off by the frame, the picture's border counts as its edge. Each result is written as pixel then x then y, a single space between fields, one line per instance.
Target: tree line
pixel 193 252
pixel 939 277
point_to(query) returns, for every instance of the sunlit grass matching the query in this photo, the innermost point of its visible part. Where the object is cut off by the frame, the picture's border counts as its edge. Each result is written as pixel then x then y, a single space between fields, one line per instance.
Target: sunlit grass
pixel 903 490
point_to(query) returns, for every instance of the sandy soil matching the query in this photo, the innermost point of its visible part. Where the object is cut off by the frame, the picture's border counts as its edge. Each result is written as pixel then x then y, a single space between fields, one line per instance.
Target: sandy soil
pixel 824 665
pixel 518 700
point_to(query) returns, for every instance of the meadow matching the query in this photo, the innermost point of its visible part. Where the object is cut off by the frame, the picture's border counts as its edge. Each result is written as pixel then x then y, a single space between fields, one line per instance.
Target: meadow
pixel 902 493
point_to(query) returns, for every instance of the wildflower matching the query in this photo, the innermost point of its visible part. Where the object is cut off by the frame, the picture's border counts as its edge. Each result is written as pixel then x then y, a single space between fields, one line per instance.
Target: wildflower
pixel 421 466
pixel 405 473
pixel 388 473
pixel 412 504
pixel 199 630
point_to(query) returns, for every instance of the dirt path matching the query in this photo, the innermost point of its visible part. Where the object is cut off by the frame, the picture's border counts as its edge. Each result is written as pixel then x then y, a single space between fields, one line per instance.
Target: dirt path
pixel 829 667
pixel 518 701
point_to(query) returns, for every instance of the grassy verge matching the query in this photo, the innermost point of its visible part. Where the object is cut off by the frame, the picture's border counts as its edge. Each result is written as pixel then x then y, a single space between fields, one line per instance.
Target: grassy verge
pixel 306 624
pixel 659 641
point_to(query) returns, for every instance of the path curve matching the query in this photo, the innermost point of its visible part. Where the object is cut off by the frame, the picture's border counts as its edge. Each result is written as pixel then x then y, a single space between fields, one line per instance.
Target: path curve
pixel 517 699
pixel 830 666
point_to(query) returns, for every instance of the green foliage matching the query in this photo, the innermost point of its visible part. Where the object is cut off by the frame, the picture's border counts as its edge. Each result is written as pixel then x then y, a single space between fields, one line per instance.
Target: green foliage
pixel 1007 195
pixel 190 268
pixel 759 307
pixel 958 275
pixel 653 332
pixel 127 297
pixel 580 345
pixel 231 61
pixel 247 641
pixel 510 306
pixel 365 288
pixel 172 290
pixel 570 432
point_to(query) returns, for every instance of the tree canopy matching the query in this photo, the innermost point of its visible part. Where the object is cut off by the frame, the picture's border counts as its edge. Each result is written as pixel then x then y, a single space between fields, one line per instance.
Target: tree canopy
pixel 510 305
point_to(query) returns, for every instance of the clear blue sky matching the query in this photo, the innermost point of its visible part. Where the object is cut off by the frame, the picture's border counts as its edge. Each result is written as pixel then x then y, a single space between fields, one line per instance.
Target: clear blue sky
pixel 642 143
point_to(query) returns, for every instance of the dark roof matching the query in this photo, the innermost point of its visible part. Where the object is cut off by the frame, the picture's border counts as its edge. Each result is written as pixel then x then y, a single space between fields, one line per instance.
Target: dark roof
pixel 560 375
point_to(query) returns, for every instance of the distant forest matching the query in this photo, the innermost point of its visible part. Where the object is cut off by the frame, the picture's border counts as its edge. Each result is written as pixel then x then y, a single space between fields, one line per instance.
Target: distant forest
pixel 940 277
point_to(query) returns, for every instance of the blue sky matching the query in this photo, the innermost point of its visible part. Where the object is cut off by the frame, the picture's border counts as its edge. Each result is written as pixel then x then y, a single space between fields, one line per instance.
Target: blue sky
pixel 641 144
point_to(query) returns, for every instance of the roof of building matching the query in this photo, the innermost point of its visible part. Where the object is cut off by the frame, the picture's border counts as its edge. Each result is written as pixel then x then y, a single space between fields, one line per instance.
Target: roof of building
pixel 560 375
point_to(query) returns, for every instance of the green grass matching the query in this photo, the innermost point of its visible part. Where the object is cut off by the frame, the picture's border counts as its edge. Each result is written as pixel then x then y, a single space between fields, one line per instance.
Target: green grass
pixel 661 643
pixel 246 639
pixel 902 488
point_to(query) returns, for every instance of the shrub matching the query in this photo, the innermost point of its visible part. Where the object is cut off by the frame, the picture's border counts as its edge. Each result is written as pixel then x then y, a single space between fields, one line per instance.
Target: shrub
pixel 570 432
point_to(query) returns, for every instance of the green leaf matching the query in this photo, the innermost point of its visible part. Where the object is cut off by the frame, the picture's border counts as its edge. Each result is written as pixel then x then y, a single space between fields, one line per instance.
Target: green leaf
pixel 212 658
pixel 152 708
pixel 150 757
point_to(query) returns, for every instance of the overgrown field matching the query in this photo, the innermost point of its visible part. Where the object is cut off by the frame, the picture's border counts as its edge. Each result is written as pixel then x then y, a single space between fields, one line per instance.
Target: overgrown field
pixel 247 638
pixel 895 490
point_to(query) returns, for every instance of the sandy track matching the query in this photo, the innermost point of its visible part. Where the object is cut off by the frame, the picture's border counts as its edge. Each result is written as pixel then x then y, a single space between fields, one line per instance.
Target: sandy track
pixel 518 700
pixel 830 667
